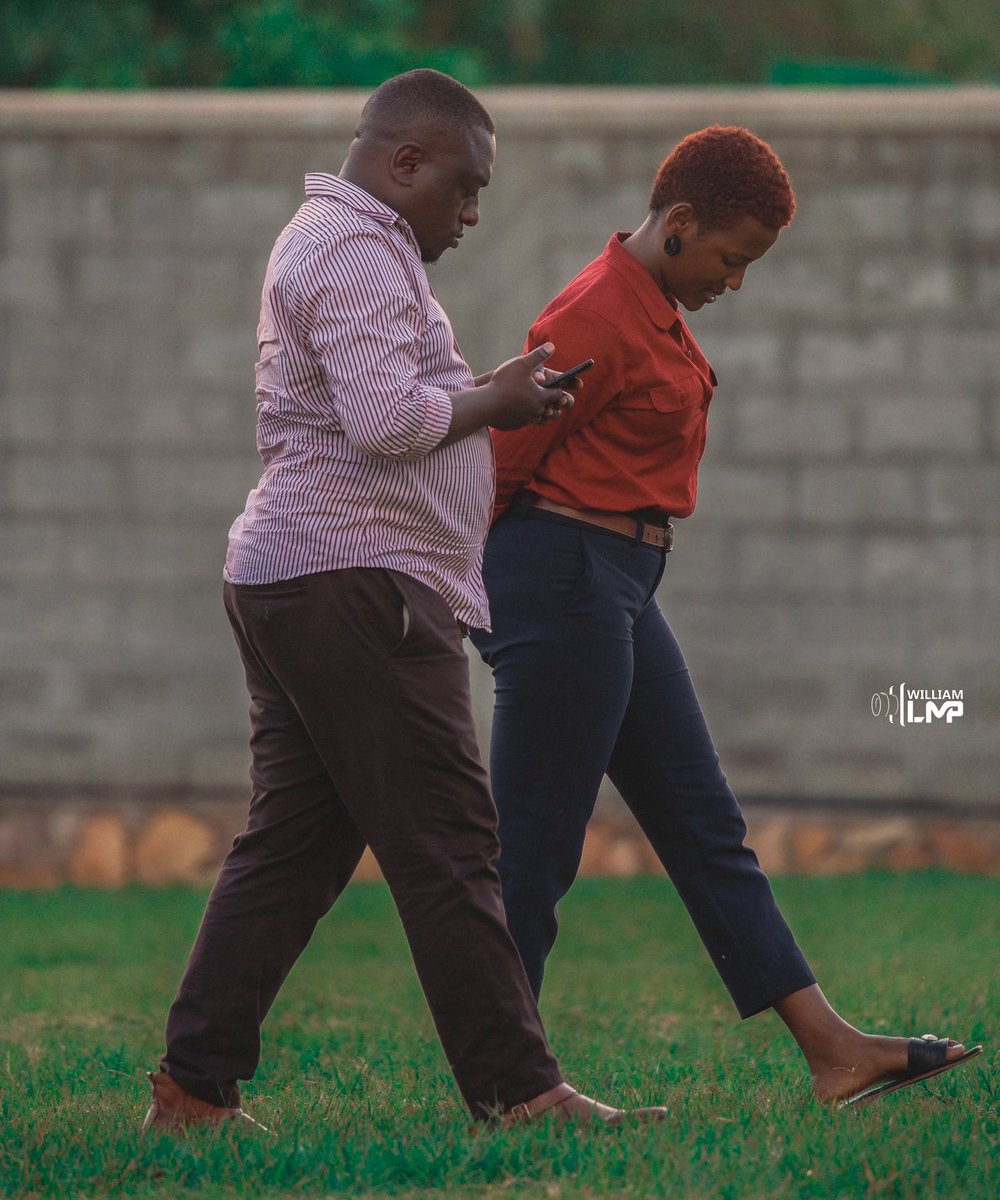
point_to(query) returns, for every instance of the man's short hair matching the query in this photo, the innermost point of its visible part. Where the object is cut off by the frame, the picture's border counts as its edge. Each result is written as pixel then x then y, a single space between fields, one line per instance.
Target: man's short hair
pixel 421 98
pixel 725 173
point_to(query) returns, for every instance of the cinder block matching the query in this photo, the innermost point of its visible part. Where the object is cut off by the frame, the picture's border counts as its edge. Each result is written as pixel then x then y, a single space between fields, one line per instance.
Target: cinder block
pixel 910 566
pixel 898 283
pixel 966 494
pixel 216 291
pixel 867 494
pixel 31 548
pixel 734 495
pixel 281 162
pixel 745 360
pixel 941 212
pixel 833 361
pixel 894 154
pixel 156 213
pixel 29 161
pixel 30 281
pixel 701 562
pixel 822 563
pixel 989 557
pixel 33 417
pixel 35 217
pixel 920 425
pixel 36 752
pixel 222 762
pixel 122 278
pixel 66 484
pixel 199 485
pixel 23 687
pixel 949 358
pixel 211 418
pixel 967 156
pixel 985 291
pixel 776 427
pixel 154 551
pixel 188 627
pixel 865 212
pixel 784 284
pixel 218 356
pixel 840 770
pixel 237 213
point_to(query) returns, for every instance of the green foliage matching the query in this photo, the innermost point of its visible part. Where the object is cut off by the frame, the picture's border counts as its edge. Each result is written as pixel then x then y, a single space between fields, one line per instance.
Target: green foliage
pixel 312 43
pixel 356 1088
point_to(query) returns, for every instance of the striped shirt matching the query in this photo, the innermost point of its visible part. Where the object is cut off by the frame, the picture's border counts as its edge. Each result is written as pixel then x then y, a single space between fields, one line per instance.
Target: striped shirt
pixel 356 362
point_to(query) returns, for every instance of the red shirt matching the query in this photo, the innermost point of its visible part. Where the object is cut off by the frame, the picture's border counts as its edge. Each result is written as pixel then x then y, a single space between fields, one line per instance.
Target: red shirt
pixel 636 432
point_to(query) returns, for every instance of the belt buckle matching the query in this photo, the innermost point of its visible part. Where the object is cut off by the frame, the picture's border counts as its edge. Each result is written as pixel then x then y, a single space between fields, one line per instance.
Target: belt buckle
pixel 668 538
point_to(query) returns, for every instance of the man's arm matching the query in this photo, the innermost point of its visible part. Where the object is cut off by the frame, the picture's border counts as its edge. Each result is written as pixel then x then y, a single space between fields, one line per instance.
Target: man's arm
pixel 360 317
pixel 511 397
pixel 364 336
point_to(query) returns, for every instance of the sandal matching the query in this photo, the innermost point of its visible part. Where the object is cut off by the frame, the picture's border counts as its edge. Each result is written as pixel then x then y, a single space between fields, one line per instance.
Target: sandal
pixel 925 1057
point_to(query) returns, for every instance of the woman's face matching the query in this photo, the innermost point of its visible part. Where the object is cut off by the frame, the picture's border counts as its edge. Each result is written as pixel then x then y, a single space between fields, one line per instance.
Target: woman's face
pixel 710 263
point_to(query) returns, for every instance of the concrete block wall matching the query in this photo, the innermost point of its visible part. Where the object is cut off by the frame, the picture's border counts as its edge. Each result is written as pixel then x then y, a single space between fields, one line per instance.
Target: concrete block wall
pixel 846 536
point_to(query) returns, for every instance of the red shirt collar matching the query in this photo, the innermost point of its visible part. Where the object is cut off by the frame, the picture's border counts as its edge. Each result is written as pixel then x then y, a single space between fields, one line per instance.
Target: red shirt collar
pixel 662 310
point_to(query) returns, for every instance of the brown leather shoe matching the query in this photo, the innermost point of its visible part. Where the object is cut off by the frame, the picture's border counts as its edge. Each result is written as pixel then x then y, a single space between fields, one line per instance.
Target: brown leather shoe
pixel 562 1103
pixel 173 1108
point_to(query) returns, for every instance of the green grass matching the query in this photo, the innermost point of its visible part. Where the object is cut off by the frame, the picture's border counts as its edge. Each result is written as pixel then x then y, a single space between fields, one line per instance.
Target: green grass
pixel 356 1088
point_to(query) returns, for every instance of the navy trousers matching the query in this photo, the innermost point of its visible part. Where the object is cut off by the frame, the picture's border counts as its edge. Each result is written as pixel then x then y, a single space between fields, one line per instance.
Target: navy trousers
pixel 590 681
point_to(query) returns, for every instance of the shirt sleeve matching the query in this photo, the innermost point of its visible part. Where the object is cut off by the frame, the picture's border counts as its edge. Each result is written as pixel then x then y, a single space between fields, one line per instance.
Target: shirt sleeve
pixel 361 314
pixel 577 334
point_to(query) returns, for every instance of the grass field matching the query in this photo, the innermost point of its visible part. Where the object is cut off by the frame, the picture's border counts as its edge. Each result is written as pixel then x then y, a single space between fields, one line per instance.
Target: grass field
pixel 356 1088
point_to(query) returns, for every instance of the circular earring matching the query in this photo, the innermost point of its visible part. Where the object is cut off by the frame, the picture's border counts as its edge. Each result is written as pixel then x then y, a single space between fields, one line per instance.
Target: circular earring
pixel 672 246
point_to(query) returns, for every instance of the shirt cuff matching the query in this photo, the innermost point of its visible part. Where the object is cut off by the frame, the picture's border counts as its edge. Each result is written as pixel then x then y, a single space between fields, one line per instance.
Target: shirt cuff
pixel 436 423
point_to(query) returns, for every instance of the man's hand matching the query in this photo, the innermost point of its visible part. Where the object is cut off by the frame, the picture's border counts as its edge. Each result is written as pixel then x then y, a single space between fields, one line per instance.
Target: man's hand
pixel 512 397
pixel 521 398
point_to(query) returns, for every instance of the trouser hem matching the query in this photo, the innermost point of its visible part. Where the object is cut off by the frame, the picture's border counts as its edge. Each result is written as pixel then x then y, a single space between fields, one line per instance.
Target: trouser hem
pixel 222 1095
pixel 751 1007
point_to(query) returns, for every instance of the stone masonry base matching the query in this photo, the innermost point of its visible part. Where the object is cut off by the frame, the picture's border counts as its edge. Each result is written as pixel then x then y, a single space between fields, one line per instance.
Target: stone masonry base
pixel 101 841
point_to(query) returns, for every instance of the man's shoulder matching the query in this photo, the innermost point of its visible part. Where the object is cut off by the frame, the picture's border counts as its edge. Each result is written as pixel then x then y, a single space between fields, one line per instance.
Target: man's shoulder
pixel 322 233
pixel 320 221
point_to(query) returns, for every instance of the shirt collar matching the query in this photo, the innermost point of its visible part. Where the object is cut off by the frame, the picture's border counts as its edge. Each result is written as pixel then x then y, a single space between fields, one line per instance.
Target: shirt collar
pixel 319 183
pixel 662 310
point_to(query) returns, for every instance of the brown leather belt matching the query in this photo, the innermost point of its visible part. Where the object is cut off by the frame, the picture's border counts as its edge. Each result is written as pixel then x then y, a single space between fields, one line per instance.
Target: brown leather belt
pixel 661 536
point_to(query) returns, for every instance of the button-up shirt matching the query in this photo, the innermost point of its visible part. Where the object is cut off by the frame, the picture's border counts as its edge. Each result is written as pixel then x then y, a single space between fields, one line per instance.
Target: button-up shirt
pixel 356 362
pixel 636 432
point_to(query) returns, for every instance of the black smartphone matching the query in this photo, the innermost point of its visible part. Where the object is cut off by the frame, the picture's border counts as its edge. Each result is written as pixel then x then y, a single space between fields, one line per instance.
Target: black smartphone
pixel 566 376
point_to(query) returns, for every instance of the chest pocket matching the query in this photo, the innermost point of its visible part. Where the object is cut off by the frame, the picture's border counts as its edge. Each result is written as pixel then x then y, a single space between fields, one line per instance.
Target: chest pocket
pixel 674 396
pixel 670 415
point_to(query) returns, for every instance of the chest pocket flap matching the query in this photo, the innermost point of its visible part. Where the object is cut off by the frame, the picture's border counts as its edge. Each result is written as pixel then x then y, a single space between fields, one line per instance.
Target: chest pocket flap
pixel 671 397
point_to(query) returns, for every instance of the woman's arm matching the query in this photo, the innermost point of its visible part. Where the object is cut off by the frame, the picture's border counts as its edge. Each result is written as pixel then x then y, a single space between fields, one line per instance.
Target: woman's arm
pixel 577 334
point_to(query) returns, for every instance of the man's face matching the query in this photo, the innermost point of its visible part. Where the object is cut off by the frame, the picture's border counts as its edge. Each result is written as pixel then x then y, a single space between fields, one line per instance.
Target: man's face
pixel 443 196
pixel 710 263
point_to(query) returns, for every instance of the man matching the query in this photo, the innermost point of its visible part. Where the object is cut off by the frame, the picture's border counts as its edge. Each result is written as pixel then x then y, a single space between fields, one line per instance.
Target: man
pixel 347 578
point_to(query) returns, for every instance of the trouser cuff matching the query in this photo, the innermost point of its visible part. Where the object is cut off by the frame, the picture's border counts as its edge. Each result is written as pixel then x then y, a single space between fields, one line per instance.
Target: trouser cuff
pixel 223 1095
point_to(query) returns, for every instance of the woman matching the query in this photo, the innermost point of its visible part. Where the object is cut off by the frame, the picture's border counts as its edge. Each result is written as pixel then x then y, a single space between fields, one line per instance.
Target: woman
pixel 589 678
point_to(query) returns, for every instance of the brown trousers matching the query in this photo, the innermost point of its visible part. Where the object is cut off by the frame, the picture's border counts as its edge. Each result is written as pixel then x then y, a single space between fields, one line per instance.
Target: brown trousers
pixel 361 733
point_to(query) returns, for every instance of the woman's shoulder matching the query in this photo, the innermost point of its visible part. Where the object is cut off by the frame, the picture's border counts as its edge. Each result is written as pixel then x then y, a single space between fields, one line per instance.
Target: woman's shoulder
pixel 597 293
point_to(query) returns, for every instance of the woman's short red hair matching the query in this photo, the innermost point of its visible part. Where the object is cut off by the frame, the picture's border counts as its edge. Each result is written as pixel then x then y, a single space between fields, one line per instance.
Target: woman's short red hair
pixel 725 173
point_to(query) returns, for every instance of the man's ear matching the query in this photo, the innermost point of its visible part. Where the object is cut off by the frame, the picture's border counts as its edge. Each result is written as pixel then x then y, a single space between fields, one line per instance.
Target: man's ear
pixel 405 162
